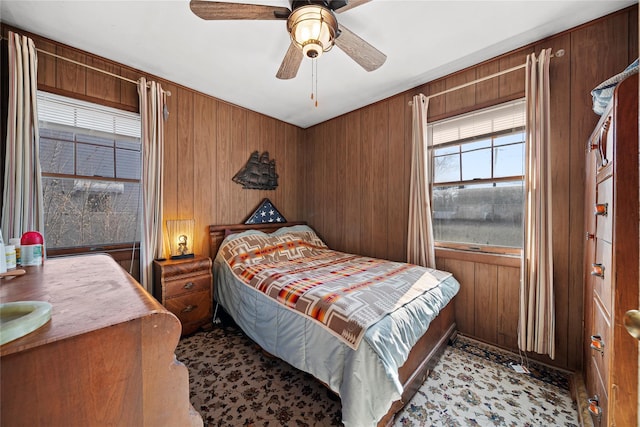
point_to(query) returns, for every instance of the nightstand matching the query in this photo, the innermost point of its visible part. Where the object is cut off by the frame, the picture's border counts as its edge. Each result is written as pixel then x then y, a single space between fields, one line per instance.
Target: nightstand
pixel 185 288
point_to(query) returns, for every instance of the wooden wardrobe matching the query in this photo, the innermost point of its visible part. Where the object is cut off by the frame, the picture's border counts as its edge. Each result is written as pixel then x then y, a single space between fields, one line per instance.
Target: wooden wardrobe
pixel 611 260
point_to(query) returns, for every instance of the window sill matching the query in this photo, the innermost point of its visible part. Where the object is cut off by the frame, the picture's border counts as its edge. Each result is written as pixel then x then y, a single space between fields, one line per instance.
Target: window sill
pixel 494 256
pixel 120 252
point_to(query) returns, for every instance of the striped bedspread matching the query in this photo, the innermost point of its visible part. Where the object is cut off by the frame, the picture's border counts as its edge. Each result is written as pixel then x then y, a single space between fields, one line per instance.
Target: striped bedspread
pixel 345 293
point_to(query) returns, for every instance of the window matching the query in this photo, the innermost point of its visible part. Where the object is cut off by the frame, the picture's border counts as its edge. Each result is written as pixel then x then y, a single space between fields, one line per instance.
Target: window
pixel 477 182
pixel 90 159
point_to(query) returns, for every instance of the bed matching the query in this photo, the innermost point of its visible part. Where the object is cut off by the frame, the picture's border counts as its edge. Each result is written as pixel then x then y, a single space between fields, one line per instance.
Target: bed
pixel 376 362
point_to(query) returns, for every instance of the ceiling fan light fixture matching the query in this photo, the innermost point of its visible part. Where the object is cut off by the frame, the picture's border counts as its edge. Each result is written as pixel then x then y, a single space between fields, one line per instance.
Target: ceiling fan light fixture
pixel 313 29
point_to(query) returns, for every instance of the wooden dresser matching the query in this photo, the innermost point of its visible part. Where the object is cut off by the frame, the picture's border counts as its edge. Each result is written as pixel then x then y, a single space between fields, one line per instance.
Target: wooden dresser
pixel 185 288
pixel 611 261
pixel 106 357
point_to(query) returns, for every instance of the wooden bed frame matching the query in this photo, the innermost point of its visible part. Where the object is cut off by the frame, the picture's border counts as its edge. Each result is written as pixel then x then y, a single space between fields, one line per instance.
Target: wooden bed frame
pixel 423 356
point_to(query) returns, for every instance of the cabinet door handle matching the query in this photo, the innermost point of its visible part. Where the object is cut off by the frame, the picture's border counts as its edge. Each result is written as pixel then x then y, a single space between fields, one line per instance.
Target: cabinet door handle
pixel 189 308
pixel 590 236
pixel 189 285
pixel 597 270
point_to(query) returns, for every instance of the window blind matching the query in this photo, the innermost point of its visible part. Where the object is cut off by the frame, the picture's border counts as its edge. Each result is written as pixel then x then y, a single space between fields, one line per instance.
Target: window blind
pixel 503 117
pixel 59 110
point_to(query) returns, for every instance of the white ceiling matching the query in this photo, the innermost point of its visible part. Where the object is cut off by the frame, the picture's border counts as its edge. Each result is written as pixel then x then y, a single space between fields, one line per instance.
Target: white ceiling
pixel 236 61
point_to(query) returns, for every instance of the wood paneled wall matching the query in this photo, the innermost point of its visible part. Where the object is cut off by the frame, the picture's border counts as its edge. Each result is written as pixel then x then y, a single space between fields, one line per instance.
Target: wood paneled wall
pixel 486 306
pixel 206 140
pixel 358 166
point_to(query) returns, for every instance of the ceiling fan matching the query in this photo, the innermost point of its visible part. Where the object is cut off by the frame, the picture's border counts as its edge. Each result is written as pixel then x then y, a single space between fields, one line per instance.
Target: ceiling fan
pixel 312 24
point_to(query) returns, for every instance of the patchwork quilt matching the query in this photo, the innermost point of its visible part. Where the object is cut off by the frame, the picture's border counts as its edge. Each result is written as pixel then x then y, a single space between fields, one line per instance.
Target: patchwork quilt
pixel 345 293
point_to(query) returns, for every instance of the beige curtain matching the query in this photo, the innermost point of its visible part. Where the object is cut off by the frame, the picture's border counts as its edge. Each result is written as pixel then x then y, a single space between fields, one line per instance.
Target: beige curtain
pixel 152 110
pixel 536 329
pixel 22 207
pixel 420 248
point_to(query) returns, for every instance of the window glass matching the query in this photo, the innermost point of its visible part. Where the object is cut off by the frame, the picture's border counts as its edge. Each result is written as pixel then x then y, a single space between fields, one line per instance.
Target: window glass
pixel 479 214
pixel 476 164
pixel 478 192
pixel 508 160
pixel 56 156
pixel 90 173
pixel 88 213
pixel 447 150
pixel 446 168
pixel 128 163
pixel 93 160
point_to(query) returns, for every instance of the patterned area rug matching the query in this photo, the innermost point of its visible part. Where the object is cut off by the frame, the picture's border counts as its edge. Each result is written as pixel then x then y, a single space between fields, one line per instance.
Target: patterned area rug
pixel 233 384
pixel 474 385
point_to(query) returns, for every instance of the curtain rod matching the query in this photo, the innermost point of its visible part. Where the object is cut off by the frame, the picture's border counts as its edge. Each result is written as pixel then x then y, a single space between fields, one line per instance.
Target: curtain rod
pixel 168 93
pixel 558 54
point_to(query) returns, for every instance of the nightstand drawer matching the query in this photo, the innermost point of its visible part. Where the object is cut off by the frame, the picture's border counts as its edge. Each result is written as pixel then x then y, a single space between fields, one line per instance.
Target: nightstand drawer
pixel 191 307
pixel 174 288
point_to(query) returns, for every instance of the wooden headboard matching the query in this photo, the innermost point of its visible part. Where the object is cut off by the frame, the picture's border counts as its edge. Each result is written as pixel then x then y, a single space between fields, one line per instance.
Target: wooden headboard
pixel 217 233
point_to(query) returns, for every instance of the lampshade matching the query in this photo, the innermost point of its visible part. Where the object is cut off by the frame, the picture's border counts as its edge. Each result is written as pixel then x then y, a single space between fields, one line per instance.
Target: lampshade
pixel 180 234
pixel 313 28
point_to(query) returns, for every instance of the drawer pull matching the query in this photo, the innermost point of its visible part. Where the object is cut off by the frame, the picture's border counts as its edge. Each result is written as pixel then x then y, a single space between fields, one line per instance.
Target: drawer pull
pixel 600 144
pixel 189 285
pixel 590 236
pixel 189 308
pixel 597 344
pixel 601 209
pixel 597 270
pixel 594 407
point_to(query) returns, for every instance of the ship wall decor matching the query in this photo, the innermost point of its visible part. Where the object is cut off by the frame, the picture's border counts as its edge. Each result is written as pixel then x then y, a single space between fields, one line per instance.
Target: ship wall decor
pixel 259 173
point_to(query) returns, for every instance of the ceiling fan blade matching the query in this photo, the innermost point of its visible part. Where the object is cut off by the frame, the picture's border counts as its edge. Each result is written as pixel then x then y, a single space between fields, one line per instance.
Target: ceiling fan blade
pixel 351 4
pixel 290 63
pixel 217 10
pixel 367 56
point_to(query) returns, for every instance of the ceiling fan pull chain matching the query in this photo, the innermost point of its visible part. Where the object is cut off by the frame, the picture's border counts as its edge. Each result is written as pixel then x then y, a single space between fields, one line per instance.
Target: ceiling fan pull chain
pixel 315 79
pixel 312 88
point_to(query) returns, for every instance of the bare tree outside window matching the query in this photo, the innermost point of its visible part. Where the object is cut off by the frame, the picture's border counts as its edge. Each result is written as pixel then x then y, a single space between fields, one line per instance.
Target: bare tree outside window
pixel 479 214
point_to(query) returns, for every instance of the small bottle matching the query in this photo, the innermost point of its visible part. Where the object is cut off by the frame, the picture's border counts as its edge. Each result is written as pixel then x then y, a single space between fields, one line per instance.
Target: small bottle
pixel 15 241
pixel 31 251
pixel 10 253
